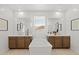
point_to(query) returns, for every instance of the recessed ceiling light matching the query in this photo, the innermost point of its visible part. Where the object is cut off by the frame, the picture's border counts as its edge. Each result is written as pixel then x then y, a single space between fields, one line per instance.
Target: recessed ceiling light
pixel 58 13
pixel 21 13
pixel 19 9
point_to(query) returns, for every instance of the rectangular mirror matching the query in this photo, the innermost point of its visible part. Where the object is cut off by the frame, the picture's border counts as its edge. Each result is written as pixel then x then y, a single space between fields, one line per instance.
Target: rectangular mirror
pixel 75 24
pixel 3 25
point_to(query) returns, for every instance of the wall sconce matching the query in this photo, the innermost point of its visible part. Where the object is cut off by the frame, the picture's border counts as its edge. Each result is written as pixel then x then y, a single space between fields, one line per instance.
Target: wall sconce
pixel 19 26
pixel 60 27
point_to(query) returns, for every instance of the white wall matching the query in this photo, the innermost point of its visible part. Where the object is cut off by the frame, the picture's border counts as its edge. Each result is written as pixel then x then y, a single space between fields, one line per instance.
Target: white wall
pixel 5 14
pixel 72 14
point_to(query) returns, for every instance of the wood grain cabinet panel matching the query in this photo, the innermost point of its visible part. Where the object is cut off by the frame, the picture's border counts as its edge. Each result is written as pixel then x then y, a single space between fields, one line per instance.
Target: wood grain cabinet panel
pixel 51 40
pixel 59 41
pixel 12 43
pixel 27 43
pixel 19 42
pixel 66 42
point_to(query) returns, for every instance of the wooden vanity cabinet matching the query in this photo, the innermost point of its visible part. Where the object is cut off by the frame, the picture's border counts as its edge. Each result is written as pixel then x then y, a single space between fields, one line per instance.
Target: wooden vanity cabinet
pixel 59 41
pixel 17 42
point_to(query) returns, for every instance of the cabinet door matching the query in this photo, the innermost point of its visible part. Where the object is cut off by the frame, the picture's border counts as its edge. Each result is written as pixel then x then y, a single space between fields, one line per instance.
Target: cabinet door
pixel 20 42
pixel 12 42
pixel 27 42
pixel 51 41
pixel 66 42
pixel 58 42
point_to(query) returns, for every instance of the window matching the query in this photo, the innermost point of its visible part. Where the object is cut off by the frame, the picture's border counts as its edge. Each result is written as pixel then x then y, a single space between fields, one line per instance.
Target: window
pixel 39 22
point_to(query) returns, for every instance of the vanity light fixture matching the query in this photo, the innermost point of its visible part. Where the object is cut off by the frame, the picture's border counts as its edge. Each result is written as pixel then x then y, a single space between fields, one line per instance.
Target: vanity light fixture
pixel 19 26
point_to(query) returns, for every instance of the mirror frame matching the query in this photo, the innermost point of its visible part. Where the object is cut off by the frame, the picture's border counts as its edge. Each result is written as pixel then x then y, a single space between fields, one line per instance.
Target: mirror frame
pixel 6 25
pixel 72 29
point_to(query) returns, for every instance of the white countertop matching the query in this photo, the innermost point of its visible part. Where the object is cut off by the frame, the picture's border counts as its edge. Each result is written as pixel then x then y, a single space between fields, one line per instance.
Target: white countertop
pixel 20 35
pixel 57 35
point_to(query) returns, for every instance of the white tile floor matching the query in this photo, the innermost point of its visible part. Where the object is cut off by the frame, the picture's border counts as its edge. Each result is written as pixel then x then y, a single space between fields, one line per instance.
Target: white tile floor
pixel 53 52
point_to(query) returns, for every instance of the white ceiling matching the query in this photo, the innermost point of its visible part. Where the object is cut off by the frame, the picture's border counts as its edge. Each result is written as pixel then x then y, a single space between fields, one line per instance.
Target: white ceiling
pixel 40 7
